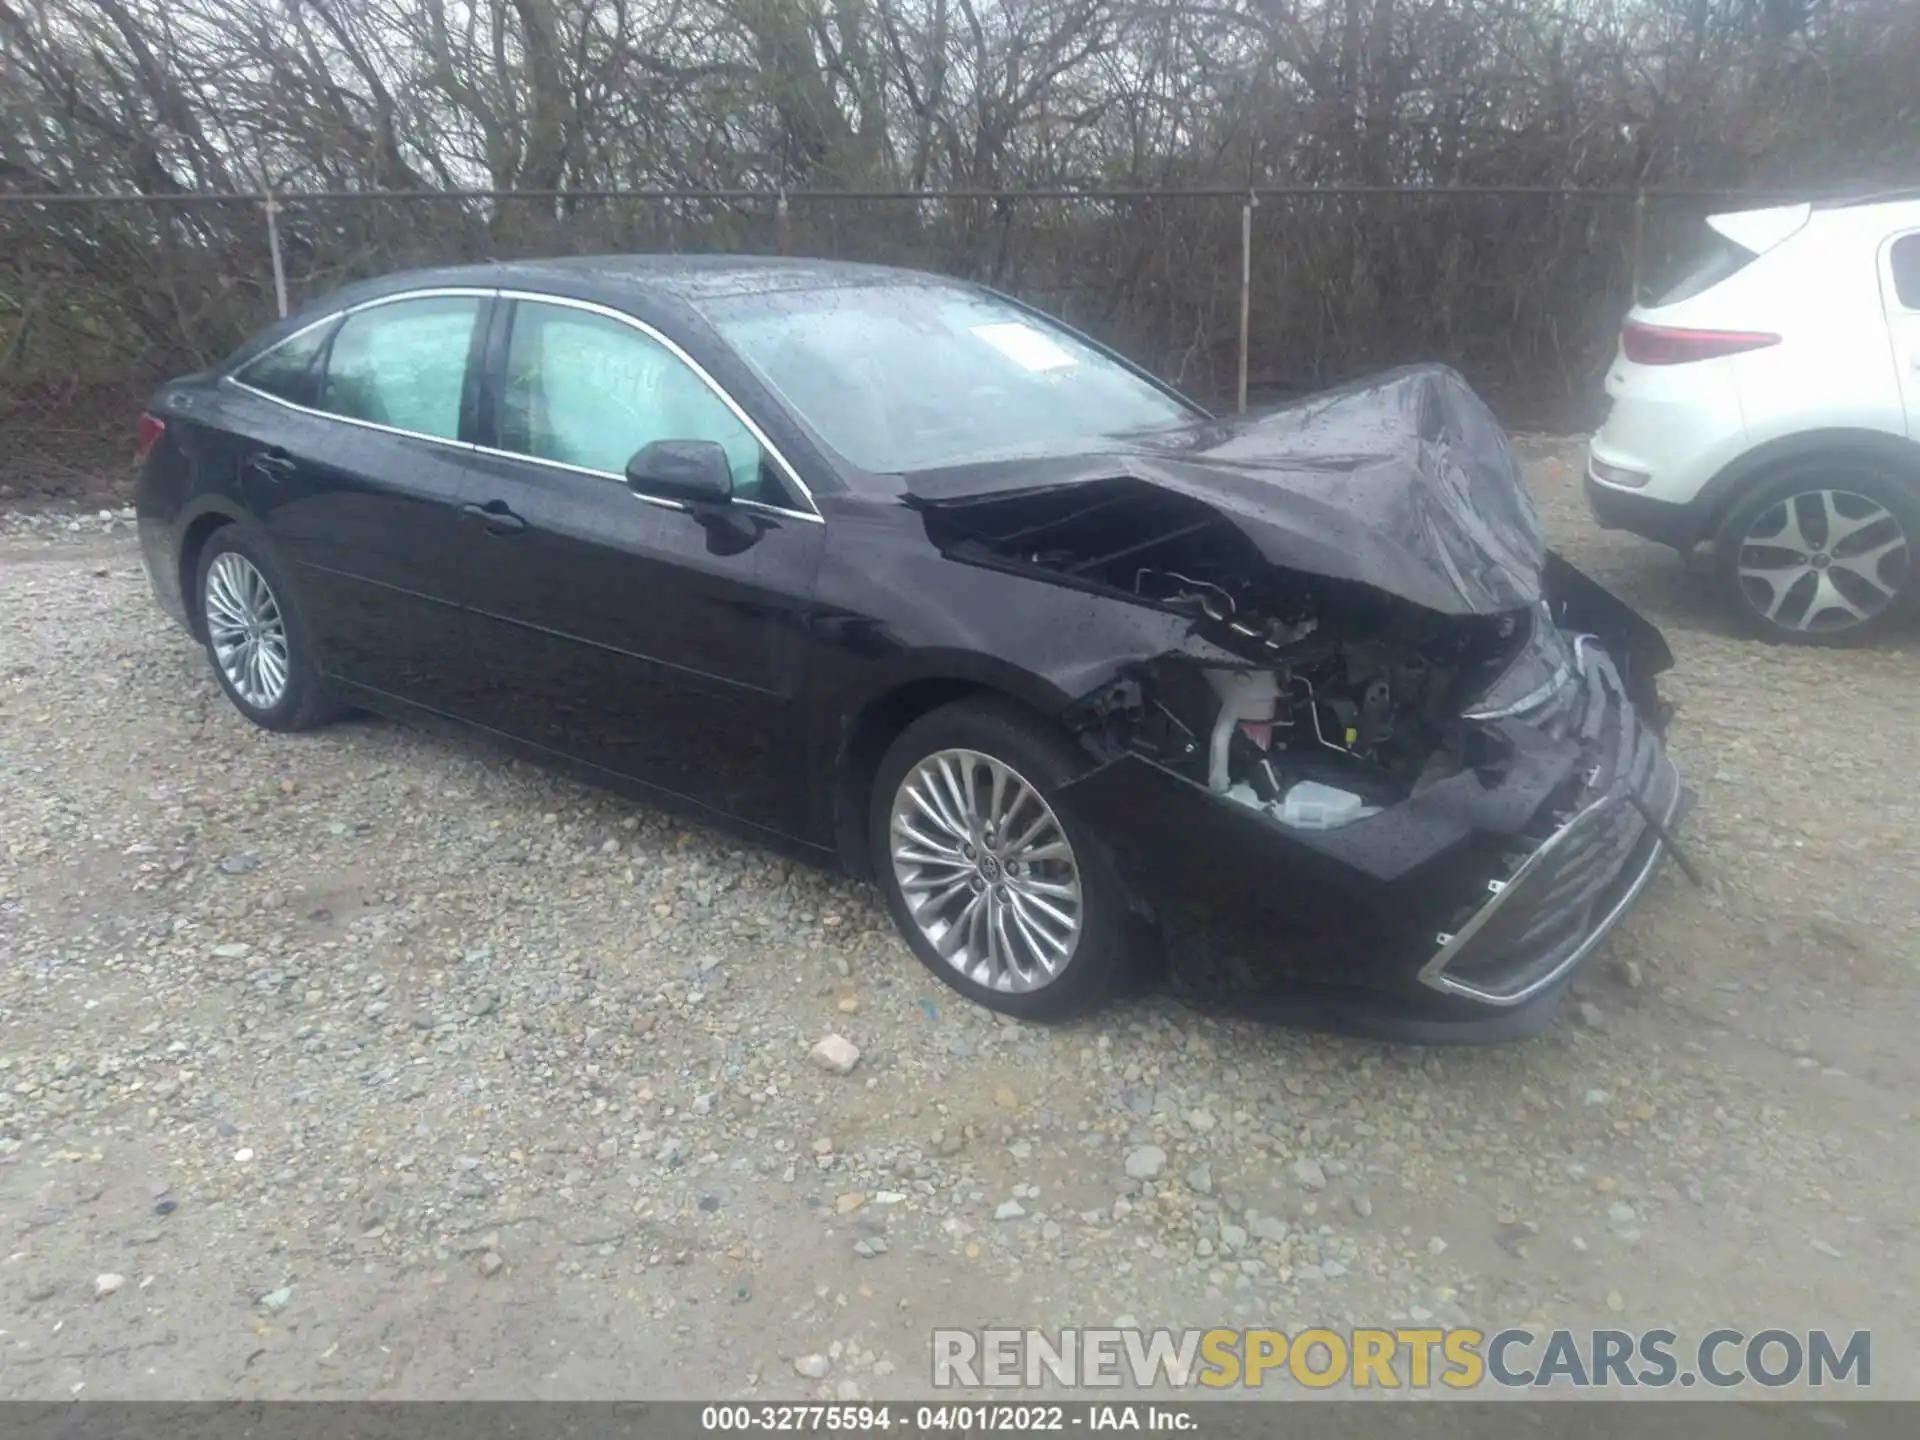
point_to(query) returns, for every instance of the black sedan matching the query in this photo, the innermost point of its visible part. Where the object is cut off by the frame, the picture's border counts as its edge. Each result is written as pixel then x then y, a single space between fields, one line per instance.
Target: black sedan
pixel 896 571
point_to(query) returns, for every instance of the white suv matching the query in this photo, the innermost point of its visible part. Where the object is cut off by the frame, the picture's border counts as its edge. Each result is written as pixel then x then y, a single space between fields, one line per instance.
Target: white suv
pixel 1769 404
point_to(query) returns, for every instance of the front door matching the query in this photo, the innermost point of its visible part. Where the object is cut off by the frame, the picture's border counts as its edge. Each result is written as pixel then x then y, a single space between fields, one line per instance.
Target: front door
pixel 661 642
pixel 358 480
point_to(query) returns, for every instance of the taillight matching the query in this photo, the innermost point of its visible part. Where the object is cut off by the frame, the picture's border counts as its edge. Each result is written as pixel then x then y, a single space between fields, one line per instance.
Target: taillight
pixel 151 429
pixel 1667 345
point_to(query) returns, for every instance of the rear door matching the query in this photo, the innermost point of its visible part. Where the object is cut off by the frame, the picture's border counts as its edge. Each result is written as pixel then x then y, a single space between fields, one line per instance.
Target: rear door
pixel 662 642
pixel 1900 280
pixel 359 487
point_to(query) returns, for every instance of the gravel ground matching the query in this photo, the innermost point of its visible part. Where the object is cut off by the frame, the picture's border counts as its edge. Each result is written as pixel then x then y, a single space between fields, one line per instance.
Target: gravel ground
pixel 374 1063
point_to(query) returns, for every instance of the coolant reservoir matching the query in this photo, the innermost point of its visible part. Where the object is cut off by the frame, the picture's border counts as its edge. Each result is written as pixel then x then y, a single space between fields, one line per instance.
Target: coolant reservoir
pixel 1245 695
pixel 1309 805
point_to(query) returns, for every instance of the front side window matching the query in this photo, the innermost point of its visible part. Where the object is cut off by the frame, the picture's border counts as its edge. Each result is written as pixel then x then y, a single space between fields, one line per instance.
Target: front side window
pixel 588 390
pixel 1905 259
pixel 900 377
pixel 403 364
pixel 284 371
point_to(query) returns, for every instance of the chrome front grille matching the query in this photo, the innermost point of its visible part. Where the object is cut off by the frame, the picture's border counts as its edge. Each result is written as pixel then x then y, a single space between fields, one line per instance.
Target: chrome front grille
pixel 1559 900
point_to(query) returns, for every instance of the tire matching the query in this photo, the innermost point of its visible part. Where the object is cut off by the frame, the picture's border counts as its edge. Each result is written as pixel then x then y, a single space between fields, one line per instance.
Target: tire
pixel 236 576
pixel 1832 594
pixel 1000 968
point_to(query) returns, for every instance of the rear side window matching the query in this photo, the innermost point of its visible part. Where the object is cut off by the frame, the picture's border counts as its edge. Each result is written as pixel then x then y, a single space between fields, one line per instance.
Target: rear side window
pixel 287 369
pixel 403 364
pixel 1721 260
pixel 1905 258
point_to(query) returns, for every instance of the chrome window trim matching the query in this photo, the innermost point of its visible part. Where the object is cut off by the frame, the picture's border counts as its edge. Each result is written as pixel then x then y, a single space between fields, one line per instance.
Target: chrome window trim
pixel 566 302
pixel 375 425
pixel 468 447
pixel 446 292
pixel 659 501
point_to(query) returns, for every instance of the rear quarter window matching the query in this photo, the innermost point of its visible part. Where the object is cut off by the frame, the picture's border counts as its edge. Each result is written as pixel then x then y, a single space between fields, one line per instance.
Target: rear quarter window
pixel 287 370
pixel 1720 260
pixel 1905 262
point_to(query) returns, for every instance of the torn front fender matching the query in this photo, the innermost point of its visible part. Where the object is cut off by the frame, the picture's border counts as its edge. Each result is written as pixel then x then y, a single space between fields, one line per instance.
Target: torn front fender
pixel 1580 605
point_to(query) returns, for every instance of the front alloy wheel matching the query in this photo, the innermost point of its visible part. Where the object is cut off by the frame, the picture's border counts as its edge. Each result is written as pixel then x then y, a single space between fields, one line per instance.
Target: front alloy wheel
pixel 998 889
pixel 987 872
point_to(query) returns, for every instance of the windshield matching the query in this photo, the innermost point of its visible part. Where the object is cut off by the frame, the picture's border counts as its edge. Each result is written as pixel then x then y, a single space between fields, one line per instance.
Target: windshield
pixel 900 377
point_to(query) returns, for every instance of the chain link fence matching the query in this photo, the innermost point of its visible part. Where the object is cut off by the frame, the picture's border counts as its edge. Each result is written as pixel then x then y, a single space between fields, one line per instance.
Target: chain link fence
pixel 1232 295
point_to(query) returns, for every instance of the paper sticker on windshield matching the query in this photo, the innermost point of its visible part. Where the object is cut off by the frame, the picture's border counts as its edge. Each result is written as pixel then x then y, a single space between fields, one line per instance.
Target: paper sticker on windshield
pixel 1025 346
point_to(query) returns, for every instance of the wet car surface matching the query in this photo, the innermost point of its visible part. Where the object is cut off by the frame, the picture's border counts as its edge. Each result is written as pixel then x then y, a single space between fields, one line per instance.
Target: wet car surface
pixel 1071 669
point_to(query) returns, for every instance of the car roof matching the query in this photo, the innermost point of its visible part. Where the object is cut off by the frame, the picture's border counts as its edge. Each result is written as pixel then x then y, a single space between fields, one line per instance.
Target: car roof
pixel 686 278
pixel 1865 219
pixel 1878 197
pixel 654 287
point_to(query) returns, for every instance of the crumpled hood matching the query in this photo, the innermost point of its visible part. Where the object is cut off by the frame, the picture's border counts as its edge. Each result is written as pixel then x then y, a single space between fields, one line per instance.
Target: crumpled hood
pixel 1404 482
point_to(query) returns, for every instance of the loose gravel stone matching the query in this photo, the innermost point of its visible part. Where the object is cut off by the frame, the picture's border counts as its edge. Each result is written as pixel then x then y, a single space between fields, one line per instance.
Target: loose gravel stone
pixel 443 1019
pixel 836 1054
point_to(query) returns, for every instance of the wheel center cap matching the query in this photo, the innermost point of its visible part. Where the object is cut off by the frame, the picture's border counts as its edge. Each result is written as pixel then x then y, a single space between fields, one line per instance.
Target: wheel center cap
pixel 989 867
pixel 1821 559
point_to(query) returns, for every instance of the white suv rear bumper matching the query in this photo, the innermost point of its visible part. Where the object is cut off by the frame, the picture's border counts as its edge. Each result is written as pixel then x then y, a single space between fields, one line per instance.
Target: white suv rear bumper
pixel 1675 425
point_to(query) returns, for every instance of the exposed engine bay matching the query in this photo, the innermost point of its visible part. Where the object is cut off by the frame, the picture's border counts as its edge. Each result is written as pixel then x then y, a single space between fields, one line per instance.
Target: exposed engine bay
pixel 1353 722
pixel 1317 700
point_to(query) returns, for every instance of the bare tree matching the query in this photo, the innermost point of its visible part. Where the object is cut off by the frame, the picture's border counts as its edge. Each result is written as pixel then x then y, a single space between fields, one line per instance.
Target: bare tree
pixel 173 98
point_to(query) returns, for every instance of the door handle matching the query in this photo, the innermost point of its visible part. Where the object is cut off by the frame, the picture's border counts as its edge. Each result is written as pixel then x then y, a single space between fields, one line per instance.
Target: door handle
pixel 274 464
pixel 496 516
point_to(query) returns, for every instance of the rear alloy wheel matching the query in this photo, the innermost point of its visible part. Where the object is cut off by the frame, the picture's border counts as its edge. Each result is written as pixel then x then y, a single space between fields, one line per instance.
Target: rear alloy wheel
pixel 256 636
pixel 998 891
pixel 1824 560
pixel 246 631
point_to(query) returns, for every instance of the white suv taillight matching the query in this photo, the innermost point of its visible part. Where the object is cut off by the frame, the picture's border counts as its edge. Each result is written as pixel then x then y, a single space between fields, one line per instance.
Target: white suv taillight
pixel 1667 345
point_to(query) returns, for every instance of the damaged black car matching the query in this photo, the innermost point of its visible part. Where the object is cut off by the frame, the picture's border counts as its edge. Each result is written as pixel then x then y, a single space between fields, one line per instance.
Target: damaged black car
pixel 893 570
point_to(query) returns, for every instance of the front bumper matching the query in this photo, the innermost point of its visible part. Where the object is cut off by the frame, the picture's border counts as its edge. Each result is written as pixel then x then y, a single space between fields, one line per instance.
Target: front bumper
pixel 1559 898
pixel 1456 916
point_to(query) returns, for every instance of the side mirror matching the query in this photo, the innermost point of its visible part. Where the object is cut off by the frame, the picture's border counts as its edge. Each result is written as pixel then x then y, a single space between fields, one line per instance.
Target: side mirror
pixel 696 471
